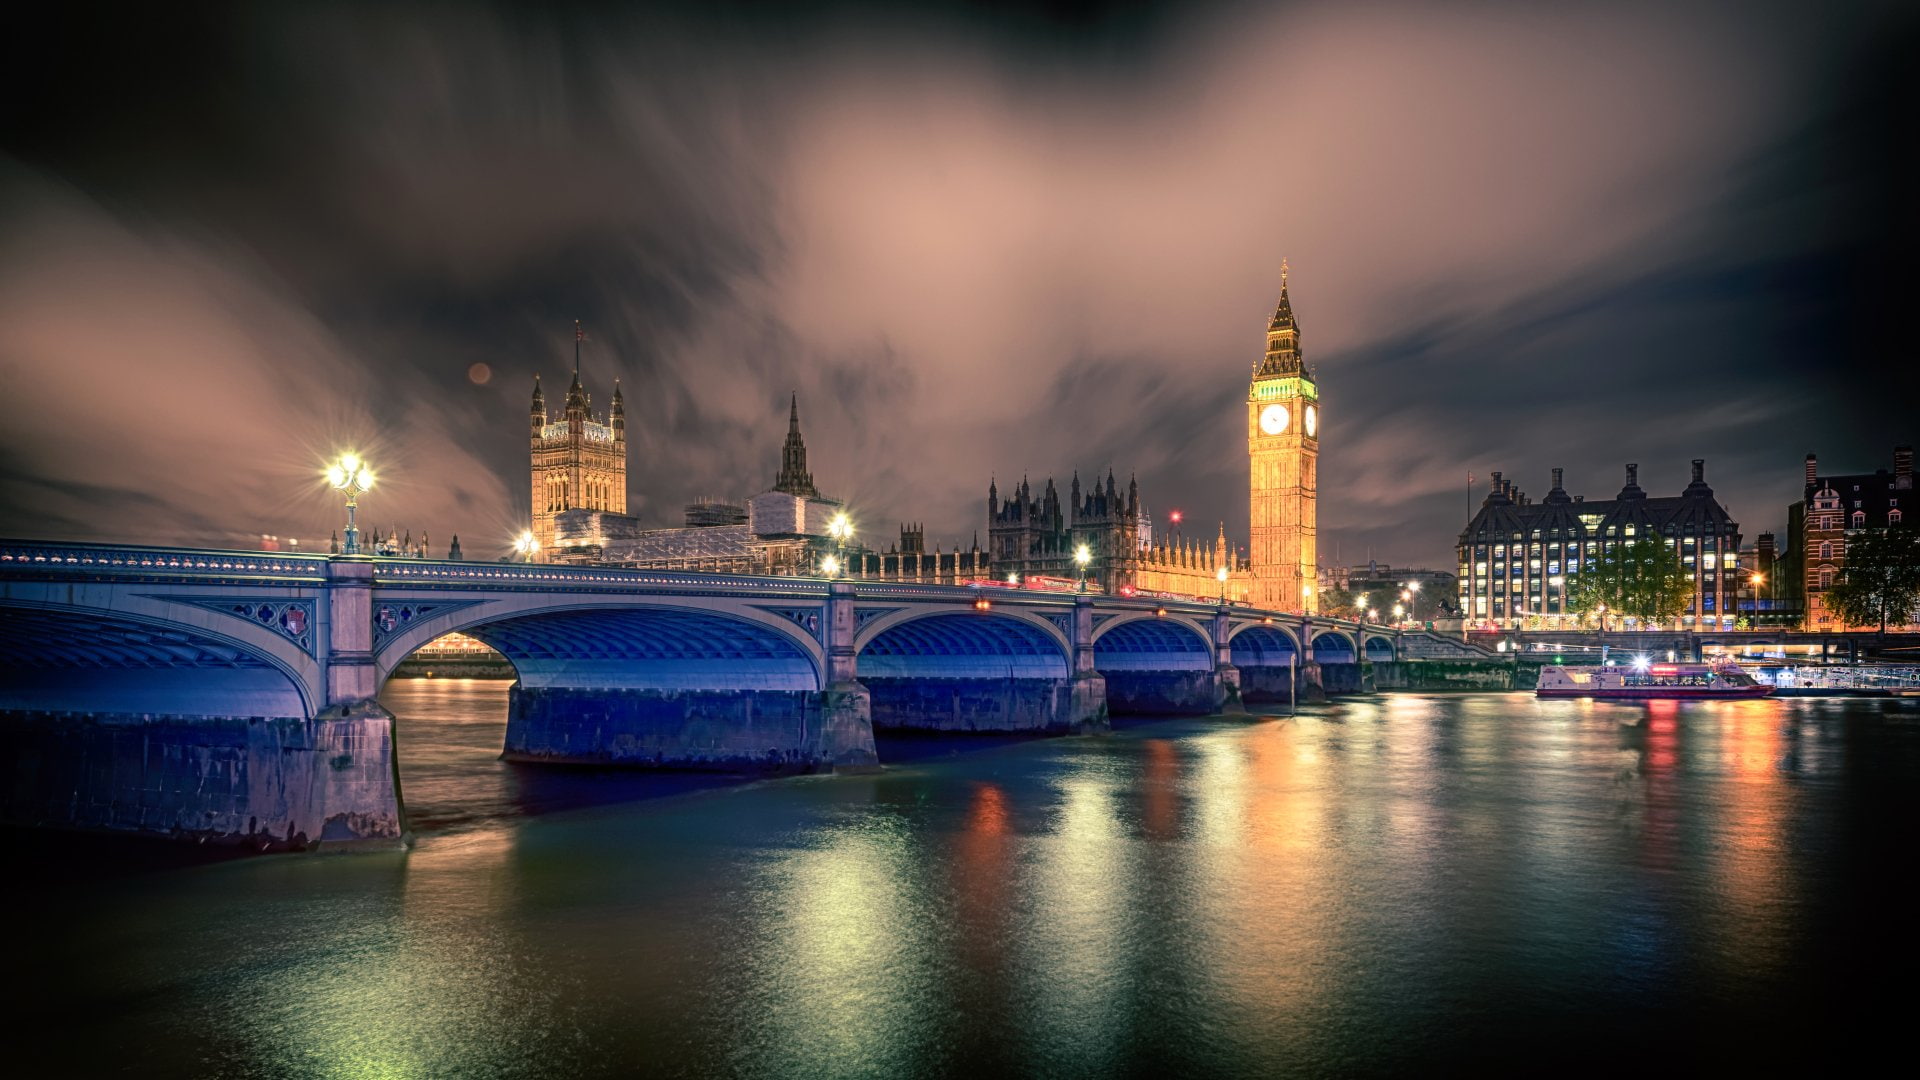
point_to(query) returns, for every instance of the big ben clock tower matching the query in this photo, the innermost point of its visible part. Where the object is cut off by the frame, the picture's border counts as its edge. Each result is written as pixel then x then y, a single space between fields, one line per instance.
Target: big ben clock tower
pixel 1283 442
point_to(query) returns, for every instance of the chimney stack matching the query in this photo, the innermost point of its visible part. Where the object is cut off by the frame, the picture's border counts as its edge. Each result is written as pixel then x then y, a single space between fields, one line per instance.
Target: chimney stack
pixel 1633 475
pixel 1699 470
pixel 1903 467
pixel 1813 469
pixel 1558 473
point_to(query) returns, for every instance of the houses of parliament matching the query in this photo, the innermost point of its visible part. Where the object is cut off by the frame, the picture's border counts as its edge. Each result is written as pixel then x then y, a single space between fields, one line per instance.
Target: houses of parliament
pixel 579 500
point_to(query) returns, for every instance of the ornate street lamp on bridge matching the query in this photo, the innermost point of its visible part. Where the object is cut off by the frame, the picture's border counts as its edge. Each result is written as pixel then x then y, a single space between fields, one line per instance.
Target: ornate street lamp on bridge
pixel 841 530
pixel 352 476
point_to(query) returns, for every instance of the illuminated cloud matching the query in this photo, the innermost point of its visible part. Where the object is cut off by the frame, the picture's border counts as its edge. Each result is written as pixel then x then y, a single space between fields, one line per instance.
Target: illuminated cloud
pixel 1521 238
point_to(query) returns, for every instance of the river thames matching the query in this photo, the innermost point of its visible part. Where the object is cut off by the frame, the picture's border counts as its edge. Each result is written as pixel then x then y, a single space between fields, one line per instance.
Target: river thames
pixel 1401 883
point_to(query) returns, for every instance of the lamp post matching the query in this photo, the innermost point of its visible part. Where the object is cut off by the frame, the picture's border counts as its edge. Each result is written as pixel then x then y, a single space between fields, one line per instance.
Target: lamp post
pixel 830 566
pixel 1221 576
pixel 841 529
pixel 1601 610
pixel 1082 555
pixel 526 546
pixel 352 476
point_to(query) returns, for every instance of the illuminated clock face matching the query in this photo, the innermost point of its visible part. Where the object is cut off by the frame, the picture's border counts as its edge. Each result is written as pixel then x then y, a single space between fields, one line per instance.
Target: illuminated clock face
pixel 1273 419
pixel 1313 421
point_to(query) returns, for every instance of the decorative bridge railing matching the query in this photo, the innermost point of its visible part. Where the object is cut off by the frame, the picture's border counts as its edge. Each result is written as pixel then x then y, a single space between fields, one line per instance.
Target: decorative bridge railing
pixel 305 568
pixel 121 559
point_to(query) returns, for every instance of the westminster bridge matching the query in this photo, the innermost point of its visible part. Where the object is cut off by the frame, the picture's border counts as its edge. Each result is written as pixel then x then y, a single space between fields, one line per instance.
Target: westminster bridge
pixel 228 695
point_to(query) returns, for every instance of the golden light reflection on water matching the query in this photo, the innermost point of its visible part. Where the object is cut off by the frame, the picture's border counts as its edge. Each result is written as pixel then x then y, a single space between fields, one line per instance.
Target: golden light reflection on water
pixel 1756 894
pixel 414 983
pixel 982 879
pixel 843 960
pixel 1083 878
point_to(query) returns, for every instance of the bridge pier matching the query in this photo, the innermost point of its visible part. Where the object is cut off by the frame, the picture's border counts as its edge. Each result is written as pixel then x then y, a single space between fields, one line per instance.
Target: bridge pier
pixel 1089 688
pixel 266 782
pixel 1226 678
pixel 770 731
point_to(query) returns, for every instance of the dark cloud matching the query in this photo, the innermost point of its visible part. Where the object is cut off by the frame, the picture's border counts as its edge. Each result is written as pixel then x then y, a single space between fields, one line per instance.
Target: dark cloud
pixel 976 241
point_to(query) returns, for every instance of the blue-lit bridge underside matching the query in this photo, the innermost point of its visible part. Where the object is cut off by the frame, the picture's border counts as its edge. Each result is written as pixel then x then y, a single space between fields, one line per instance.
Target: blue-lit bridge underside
pixel 231 695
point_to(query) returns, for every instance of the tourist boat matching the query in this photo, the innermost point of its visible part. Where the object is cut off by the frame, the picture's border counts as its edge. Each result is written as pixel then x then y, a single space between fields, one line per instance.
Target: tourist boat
pixel 1687 681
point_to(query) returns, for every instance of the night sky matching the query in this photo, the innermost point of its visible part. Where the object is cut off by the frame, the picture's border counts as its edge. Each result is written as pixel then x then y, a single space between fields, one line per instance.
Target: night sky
pixel 977 241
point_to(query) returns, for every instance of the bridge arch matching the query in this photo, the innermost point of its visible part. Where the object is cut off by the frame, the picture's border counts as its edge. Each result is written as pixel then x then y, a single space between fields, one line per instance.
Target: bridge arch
pixel 188 716
pixel 1379 648
pixel 968 645
pixel 1334 646
pixel 1269 661
pixel 970 671
pixel 1151 643
pixel 1263 644
pixel 1156 665
pixel 637 644
pixel 1003 619
pixel 91 660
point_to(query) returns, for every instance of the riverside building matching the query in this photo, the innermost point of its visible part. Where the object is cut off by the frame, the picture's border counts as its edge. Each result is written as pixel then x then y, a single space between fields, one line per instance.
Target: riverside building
pixel 1833 511
pixel 1516 554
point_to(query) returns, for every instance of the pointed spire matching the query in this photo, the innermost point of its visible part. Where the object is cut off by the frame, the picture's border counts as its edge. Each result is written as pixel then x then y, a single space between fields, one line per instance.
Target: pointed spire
pixel 1283 336
pixel 453 553
pixel 794 479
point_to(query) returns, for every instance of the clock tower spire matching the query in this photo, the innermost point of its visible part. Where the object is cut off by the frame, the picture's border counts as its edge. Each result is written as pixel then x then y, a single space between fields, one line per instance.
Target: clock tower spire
pixel 1283 445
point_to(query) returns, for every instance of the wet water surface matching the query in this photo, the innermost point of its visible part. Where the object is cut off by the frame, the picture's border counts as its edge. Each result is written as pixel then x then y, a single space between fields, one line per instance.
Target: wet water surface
pixel 1404 883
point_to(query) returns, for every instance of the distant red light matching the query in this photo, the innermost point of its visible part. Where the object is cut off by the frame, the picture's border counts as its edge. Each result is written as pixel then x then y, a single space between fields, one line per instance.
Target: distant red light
pixel 1175 516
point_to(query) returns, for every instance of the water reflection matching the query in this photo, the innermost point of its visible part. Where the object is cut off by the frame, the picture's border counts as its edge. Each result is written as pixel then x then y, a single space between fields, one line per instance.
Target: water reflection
pixel 1402 884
